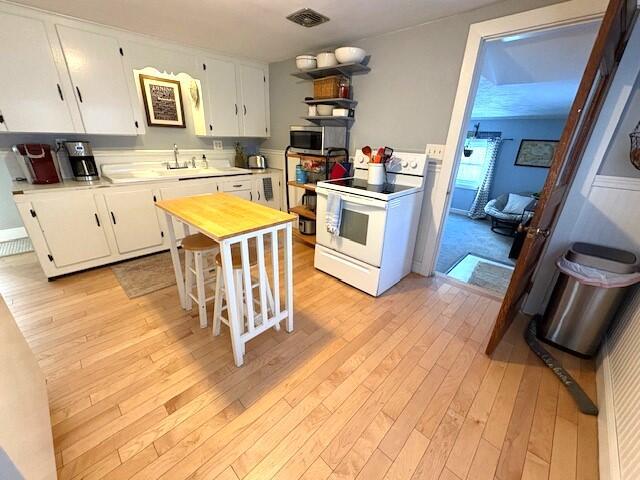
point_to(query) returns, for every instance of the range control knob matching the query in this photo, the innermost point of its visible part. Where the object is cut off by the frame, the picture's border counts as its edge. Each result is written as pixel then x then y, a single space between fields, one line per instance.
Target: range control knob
pixel 405 164
pixel 361 159
pixel 414 164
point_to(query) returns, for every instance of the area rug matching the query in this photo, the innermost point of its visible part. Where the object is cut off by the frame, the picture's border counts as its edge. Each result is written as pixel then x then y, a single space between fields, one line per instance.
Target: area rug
pixel 145 275
pixel 482 272
pixel 15 247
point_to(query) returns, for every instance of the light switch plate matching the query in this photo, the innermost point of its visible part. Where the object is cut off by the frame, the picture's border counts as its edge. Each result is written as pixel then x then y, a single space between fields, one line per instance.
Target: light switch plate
pixel 217 145
pixel 435 151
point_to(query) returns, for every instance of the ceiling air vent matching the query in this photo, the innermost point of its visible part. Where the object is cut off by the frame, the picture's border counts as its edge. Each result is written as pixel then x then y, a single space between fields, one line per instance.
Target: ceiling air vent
pixel 307 17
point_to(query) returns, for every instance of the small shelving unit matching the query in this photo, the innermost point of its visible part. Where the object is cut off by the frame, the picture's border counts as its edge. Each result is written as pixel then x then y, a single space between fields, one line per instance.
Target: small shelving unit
pixel 347 70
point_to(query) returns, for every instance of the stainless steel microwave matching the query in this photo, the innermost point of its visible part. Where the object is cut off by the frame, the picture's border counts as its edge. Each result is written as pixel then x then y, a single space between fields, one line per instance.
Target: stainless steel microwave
pixel 314 140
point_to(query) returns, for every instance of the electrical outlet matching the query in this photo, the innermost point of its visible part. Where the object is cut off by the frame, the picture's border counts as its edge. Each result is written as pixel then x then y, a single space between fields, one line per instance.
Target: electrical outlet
pixel 217 145
pixel 59 143
pixel 435 151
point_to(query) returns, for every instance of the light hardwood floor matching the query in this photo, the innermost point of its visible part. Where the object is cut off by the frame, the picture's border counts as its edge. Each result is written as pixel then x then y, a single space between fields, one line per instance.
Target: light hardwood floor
pixel 396 387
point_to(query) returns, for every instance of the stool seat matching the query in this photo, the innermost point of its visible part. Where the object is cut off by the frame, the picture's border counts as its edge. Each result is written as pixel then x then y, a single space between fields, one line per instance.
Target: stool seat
pixel 198 242
pixel 236 256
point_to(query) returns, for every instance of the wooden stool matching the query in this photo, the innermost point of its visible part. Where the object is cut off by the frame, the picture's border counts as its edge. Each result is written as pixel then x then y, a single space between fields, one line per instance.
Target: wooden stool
pixel 220 301
pixel 196 247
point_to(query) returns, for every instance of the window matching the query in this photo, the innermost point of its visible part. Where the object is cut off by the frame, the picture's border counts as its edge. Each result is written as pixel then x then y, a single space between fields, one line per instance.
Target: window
pixel 471 168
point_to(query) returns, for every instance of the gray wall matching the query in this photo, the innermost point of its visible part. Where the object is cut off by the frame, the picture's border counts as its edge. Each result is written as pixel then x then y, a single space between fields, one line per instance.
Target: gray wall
pixel 616 162
pixel 406 100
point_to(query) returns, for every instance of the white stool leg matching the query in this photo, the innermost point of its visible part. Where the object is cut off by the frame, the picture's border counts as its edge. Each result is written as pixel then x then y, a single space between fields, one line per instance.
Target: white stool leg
pixel 217 305
pixel 202 304
pixel 188 279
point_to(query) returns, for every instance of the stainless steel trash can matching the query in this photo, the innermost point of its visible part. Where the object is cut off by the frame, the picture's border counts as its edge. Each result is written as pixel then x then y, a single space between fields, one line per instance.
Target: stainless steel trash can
pixel 579 315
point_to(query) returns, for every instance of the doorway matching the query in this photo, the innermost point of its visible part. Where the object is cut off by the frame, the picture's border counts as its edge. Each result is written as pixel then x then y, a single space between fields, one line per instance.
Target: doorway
pixel 526 85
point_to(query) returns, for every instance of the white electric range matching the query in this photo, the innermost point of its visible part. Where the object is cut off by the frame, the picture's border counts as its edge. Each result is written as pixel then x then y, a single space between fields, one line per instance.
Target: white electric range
pixel 374 248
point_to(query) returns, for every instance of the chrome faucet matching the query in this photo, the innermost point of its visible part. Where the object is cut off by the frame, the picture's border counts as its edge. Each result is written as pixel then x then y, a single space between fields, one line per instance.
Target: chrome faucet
pixel 176 164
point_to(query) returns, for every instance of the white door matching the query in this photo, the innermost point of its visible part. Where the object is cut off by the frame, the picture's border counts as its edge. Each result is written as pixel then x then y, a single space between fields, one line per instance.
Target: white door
pixel 185 189
pixel 97 73
pixel 31 96
pixel 362 227
pixel 254 111
pixel 72 228
pixel 222 116
pixel 134 219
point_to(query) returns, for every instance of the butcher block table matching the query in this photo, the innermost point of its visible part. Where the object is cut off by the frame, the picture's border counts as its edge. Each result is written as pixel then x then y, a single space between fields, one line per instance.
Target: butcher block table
pixel 231 221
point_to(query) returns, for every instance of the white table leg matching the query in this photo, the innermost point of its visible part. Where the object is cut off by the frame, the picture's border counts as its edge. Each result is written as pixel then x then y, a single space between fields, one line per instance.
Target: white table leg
pixel 175 258
pixel 288 275
pixel 235 321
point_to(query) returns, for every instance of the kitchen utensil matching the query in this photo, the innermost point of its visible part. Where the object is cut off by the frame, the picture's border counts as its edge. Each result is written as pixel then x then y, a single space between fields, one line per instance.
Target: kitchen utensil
pixel 350 54
pixel 324 110
pixel 379 155
pixel 306 62
pixel 256 162
pixel 82 161
pixel 367 152
pixel 309 200
pixel 376 174
pixel 307 226
pixel 388 152
pixel 326 59
pixel 338 171
pixel 239 160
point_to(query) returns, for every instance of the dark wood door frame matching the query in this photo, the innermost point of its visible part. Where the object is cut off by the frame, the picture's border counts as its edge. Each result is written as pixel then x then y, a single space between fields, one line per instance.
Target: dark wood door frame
pixel 603 61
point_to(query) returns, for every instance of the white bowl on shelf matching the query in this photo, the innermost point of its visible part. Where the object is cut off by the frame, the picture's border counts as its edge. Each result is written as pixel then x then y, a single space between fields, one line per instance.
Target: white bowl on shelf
pixel 306 62
pixel 326 59
pixel 324 110
pixel 350 54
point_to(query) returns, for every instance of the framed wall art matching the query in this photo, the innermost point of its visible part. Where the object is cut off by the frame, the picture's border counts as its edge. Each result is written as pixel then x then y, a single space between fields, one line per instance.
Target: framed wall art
pixel 536 153
pixel 162 101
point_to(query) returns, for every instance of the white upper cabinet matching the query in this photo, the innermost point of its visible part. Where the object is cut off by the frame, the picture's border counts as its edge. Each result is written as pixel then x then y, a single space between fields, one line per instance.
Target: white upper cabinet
pixel 222 113
pixel 95 65
pixel 31 93
pixel 253 85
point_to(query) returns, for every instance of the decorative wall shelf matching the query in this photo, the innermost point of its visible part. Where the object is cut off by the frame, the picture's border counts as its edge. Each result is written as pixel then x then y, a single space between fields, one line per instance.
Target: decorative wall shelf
pixel 339 102
pixel 331 121
pixel 346 69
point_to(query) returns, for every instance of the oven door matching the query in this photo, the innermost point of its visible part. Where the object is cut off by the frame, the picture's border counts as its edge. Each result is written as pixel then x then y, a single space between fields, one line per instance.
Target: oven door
pixel 361 228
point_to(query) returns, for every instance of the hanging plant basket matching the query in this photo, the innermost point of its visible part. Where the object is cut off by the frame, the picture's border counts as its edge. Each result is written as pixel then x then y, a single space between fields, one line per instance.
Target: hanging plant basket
pixel 635 147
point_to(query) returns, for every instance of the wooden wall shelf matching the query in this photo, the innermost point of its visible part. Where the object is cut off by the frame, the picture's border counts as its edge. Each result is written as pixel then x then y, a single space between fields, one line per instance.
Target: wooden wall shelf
pixel 346 69
pixel 303 212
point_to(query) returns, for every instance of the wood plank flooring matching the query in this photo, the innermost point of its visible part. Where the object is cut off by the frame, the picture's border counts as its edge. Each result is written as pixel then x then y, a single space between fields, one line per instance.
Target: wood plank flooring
pixel 396 387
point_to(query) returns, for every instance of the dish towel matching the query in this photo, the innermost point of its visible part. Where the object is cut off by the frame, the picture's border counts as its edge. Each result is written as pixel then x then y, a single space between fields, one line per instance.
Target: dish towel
pixel 334 213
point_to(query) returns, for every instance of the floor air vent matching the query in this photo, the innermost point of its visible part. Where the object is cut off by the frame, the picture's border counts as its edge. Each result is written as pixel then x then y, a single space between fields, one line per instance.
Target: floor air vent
pixel 307 17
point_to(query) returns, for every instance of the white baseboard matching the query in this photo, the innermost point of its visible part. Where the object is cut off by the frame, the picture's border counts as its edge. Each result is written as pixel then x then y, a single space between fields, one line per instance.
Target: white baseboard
pixel 12 234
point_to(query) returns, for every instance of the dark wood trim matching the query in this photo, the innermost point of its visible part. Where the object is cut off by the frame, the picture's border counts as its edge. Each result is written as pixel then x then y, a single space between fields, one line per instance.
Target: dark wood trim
pixel 142 77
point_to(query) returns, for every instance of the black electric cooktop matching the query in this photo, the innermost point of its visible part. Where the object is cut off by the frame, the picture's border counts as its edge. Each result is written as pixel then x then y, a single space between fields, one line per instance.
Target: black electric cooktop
pixel 361 184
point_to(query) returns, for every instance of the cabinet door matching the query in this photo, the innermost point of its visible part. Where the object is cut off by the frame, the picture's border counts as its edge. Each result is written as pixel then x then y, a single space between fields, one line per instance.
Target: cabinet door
pixel 72 228
pixel 254 111
pixel 134 219
pixel 268 191
pixel 222 116
pixel 95 65
pixel 31 97
pixel 185 189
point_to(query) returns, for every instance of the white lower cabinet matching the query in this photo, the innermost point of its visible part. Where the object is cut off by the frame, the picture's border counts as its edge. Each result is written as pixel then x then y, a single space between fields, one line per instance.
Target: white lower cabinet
pixel 134 219
pixel 72 228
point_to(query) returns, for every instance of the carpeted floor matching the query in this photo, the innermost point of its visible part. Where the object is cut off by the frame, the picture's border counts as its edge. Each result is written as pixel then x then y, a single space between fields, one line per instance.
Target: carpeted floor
pixel 463 235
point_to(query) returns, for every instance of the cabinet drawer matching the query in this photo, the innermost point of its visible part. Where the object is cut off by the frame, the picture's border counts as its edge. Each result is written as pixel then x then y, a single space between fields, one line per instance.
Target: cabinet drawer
pixel 237 185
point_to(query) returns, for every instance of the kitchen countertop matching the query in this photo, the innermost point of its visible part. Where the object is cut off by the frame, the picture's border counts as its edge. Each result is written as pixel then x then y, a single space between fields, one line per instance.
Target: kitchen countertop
pixel 25 426
pixel 20 188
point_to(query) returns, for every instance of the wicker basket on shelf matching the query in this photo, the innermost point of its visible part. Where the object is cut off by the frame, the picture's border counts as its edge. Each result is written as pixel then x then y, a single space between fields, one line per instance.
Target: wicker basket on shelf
pixel 326 87
pixel 635 147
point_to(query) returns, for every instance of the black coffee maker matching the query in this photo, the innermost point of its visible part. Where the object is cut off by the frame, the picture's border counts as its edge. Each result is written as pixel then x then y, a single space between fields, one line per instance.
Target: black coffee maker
pixel 82 162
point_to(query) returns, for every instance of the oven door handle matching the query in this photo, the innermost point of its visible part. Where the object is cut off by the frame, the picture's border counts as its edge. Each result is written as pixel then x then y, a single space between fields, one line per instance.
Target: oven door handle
pixel 346 197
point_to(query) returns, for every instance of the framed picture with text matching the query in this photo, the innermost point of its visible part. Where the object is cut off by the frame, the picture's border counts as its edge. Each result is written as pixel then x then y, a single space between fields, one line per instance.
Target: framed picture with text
pixel 162 102
pixel 536 153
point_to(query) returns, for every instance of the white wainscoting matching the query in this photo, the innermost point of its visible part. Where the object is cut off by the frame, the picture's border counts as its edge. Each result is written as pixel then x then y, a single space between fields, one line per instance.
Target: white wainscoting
pixel 426 217
pixel 619 396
